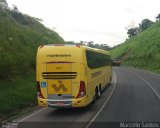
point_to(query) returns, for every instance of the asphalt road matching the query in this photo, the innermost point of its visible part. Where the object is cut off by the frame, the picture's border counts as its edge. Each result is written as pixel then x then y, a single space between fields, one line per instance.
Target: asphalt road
pixel 133 96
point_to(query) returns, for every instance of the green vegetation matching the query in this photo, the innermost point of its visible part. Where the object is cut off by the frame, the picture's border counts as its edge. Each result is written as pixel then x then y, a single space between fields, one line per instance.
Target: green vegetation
pixel 16 95
pixel 20 36
pixel 19 43
pixel 142 50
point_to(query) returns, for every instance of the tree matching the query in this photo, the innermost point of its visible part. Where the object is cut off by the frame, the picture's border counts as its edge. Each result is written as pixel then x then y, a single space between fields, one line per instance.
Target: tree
pixel 133 32
pixel 91 44
pixel 96 45
pixel 15 9
pixel 41 20
pixel 104 47
pixel 3 4
pixel 70 42
pixel 145 24
pixel 158 17
pixel 131 25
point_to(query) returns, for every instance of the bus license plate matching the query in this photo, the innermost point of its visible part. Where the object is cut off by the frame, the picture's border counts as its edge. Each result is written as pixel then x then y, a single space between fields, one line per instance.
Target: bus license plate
pixel 60 103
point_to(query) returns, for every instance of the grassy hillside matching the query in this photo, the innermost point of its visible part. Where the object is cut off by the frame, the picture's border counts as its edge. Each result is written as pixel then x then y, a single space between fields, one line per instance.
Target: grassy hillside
pixel 20 36
pixel 141 51
pixel 19 41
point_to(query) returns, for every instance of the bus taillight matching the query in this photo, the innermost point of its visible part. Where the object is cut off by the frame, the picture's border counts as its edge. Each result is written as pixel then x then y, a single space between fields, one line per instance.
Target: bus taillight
pixel 82 90
pixel 39 94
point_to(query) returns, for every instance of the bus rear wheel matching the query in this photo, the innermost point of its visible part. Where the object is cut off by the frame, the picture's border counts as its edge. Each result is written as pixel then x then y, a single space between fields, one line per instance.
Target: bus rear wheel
pixel 97 95
pixel 110 81
pixel 97 92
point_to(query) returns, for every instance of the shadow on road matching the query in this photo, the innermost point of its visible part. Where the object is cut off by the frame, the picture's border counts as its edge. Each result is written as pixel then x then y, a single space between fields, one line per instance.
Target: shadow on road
pixel 70 111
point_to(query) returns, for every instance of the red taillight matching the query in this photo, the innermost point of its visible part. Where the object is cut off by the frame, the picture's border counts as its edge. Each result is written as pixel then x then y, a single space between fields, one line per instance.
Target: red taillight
pixel 82 90
pixel 39 94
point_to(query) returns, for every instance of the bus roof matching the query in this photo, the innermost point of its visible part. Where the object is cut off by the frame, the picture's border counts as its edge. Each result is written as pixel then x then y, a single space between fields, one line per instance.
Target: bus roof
pixel 80 46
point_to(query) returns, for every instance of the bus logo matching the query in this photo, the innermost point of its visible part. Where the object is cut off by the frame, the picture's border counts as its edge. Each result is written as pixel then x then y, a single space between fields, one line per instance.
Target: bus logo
pixel 43 84
pixel 59 87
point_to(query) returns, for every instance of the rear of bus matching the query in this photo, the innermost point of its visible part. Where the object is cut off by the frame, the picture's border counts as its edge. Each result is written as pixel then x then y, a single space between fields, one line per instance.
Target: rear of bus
pixel 60 76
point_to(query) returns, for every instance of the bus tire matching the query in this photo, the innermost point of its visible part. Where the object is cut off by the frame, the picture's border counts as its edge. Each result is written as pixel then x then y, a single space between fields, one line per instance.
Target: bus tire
pixel 110 81
pixel 97 92
pixel 100 90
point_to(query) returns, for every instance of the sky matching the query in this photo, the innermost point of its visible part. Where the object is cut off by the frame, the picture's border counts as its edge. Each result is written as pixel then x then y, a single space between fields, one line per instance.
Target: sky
pixel 100 21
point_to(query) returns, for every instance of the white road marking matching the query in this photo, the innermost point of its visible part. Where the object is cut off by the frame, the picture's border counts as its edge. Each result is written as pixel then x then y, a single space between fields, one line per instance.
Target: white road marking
pixel 142 70
pixel 31 115
pixel 93 119
pixel 150 72
pixel 146 83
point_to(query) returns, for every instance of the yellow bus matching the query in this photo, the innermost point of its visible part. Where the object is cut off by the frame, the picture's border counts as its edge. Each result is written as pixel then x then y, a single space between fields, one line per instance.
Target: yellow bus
pixel 71 75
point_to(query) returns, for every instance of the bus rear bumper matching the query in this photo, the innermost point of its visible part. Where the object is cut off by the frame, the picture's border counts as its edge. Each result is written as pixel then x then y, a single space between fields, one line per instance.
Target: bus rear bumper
pixel 67 103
